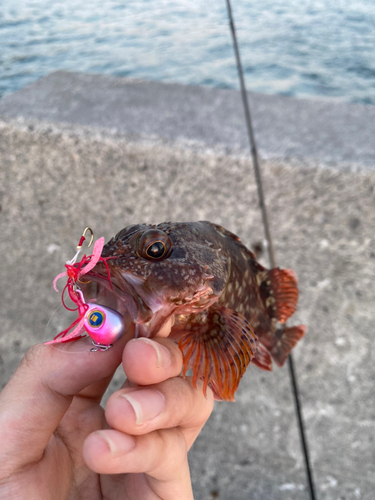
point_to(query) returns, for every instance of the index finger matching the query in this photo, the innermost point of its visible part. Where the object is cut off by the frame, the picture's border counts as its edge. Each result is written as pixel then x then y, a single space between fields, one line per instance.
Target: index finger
pixel 148 362
pixel 173 403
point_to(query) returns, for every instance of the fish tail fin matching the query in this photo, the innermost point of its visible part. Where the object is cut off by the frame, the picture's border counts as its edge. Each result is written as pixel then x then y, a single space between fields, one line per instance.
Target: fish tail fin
pixel 279 292
pixel 218 348
pixel 287 339
pixel 262 358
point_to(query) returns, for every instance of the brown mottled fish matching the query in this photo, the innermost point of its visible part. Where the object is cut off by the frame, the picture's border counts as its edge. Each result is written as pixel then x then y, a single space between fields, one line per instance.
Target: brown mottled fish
pixel 228 309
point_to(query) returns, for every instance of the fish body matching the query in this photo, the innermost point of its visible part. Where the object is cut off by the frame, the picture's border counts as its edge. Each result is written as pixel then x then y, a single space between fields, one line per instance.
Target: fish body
pixel 228 309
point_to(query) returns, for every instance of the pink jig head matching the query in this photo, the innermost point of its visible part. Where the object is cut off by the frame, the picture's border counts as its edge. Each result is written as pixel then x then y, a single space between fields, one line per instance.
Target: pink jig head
pixel 103 324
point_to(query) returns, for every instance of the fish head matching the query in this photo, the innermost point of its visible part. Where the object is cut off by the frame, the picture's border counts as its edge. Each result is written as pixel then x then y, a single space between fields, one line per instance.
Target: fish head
pixel 159 270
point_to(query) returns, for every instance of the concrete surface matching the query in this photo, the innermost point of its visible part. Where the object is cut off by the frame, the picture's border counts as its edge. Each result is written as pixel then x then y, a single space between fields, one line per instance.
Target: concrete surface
pixel 285 127
pixel 56 178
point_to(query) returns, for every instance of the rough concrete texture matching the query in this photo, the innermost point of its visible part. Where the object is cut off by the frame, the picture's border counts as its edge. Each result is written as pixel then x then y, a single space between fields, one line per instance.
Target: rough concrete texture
pixel 285 127
pixel 56 179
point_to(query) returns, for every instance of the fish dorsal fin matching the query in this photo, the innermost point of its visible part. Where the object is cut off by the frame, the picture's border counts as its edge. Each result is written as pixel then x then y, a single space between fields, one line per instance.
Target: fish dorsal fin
pixel 218 347
pixel 279 292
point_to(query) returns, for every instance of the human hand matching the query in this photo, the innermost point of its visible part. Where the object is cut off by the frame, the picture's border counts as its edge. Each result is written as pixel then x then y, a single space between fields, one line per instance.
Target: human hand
pixel 58 443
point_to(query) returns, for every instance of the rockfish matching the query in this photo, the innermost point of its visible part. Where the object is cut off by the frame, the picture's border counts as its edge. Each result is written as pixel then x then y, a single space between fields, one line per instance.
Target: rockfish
pixel 228 309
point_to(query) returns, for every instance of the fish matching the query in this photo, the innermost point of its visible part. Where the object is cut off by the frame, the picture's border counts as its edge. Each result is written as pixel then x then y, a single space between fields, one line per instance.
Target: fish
pixel 227 309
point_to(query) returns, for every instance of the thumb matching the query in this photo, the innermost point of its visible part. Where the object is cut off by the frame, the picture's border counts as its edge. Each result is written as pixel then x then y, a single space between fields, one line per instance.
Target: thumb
pixel 36 398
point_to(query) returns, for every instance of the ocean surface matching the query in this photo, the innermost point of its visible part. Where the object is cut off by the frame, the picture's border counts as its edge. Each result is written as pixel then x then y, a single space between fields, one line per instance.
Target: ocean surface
pixel 303 48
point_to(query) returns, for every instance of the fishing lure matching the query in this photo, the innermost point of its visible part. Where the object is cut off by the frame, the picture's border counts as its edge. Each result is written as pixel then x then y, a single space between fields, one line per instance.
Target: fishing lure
pixel 103 324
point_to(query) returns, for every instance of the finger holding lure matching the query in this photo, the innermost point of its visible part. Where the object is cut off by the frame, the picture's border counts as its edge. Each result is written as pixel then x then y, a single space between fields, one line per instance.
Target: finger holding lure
pixel 227 309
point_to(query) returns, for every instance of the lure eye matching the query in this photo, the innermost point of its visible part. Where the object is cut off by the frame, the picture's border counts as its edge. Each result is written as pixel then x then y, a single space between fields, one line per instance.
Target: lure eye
pixel 154 245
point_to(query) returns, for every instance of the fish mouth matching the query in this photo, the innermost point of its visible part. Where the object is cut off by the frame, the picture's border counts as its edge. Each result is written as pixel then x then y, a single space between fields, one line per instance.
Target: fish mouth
pixel 130 296
pixel 118 294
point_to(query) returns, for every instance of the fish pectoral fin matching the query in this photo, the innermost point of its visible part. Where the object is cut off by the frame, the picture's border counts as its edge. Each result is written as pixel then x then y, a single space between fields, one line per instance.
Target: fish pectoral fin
pixel 287 340
pixel 218 347
pixel 279 292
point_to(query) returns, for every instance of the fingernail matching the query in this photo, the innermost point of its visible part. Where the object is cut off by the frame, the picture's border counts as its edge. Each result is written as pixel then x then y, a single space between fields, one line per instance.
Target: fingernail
pixel 120 447
pixel 162 353
pixel 147 404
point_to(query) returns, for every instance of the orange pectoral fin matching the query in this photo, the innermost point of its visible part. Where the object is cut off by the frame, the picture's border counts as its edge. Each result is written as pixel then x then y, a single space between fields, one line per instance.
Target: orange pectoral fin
pixel 279 292
pixel 218 348
pixel 289 338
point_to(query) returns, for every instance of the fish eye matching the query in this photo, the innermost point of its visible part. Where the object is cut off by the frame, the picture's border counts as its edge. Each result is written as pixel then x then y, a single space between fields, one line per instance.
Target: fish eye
pixel 154 245
pixel 156 250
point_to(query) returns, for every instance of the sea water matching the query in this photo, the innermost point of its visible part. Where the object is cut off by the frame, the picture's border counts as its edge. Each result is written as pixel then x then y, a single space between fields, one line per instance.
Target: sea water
pixel 303 48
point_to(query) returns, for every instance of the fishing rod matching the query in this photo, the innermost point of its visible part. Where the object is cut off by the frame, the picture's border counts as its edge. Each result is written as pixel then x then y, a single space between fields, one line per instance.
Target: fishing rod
pixel 271 253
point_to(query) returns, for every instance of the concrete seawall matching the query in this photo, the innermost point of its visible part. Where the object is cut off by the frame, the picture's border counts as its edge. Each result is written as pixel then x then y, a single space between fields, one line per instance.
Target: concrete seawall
pixel 79 150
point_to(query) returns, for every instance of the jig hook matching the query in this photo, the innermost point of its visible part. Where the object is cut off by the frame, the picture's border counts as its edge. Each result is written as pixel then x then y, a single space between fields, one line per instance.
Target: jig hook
pixel 88 246
pixel 83 238
pixel 79 248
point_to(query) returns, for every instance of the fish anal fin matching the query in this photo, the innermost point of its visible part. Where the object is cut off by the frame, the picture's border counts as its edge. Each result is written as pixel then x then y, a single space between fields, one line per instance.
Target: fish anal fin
pixel 287 340
pixel 262 358
pixel 279 292
pixel 218 344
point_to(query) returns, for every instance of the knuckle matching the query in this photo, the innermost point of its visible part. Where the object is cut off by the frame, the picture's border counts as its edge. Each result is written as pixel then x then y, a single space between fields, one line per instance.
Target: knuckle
pixel 198 407
pixel 173 455
pixel 186 406
pixel 33 355
pixel 207 400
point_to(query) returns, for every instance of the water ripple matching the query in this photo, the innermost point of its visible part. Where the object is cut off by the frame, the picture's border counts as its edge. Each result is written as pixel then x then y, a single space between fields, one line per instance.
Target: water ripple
pixel 301 48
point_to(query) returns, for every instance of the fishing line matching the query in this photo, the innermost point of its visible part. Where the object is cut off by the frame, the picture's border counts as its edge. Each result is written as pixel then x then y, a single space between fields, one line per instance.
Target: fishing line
pixel 50 331
pixel 271 253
